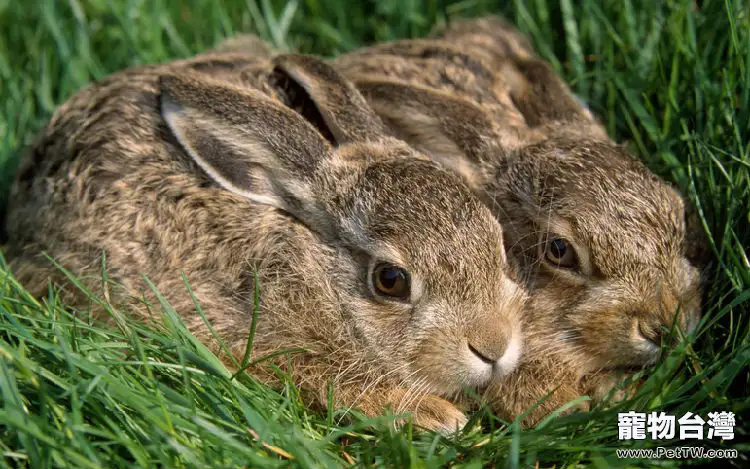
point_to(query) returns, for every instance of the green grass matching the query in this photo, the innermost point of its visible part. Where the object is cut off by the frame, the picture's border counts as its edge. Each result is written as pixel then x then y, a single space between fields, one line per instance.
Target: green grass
pixel 667 77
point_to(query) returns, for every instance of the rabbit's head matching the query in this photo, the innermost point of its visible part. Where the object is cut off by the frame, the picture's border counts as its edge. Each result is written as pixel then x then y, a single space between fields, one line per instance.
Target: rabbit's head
pixel 611 254
pixel 607 244
pixel 415 259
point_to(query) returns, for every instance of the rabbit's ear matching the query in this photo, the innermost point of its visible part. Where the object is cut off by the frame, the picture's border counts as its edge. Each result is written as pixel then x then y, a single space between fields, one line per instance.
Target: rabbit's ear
pixel 538 92
pixel 491 37
pixel 326 99
pixel 452 131
pixel 543 97
pixel 246 142
pixel 246 44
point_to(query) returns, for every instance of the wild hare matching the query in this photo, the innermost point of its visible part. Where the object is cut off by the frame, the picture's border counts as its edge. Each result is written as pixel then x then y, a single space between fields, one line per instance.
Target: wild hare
pixel 611 254
pixel 372 257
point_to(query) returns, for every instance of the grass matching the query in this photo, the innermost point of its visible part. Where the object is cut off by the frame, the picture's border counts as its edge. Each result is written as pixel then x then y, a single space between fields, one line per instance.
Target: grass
pixel 669 77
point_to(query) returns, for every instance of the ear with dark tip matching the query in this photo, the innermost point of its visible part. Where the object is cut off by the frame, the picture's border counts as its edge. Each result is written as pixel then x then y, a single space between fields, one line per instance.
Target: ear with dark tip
pixel 327 99
pixel 452 131
pixel 246 142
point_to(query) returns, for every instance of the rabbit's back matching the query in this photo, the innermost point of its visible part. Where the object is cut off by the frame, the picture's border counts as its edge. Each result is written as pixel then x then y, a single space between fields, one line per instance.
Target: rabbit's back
pixel 120 115
pixel 106 176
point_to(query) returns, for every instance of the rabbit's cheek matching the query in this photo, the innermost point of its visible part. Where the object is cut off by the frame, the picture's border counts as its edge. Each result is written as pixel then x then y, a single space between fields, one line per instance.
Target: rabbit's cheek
pixel 436 357
pixel 452 368
pixel 554 301
pixel 617 341
pixel 459 346
pixel 626 323
pixel 382 325
pixel 610 346
pixel 593 331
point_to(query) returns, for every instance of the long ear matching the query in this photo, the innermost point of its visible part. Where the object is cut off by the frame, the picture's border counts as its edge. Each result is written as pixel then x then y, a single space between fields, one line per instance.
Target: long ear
pixel 452 131
pixel 418 49
pixel 326 99
pixel 246 142
pixel 543 97
pixel 246 44
pixel 491 37
pixel 539 93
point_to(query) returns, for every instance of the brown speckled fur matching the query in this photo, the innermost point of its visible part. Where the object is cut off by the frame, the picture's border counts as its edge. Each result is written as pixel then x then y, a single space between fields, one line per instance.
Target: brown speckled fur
pixel 477 99
pixel 116 172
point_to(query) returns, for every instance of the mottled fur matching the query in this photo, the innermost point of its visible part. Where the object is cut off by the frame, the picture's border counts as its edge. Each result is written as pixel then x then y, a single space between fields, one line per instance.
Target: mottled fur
pixel 232 164
pixel 477 99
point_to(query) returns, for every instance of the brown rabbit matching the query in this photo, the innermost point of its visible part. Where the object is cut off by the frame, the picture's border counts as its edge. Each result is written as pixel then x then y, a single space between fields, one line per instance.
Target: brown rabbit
pixel 380 264
pixel 611 254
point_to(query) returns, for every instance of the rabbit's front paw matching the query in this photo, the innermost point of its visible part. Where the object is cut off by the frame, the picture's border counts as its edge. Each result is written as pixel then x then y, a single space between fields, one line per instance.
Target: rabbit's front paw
pixel 609 387
pixel 437 414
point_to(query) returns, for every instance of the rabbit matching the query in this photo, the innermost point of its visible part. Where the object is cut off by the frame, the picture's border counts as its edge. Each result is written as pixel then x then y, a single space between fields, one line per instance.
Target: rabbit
pixel 379 264
pixel 612 256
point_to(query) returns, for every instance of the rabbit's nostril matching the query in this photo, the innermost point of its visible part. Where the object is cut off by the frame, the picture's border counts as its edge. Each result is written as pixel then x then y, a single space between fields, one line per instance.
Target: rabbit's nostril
pixel 481 356
pixel 668 335
pixel 652 335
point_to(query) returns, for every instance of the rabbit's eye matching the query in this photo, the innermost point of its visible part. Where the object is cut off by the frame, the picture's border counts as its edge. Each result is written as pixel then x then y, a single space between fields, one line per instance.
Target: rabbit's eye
pixel 560 253
pixel 391 281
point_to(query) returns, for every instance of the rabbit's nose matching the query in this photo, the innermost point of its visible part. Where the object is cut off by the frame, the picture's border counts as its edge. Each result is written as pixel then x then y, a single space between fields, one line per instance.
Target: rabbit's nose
pixel 499 349
pixel 657 333
pixel 487 355
pixel 489 343
pixel 652 334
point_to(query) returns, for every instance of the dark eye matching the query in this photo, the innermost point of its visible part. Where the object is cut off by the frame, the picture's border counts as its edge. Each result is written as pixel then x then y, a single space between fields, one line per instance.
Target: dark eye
pixel 560 253
pixel 391 281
